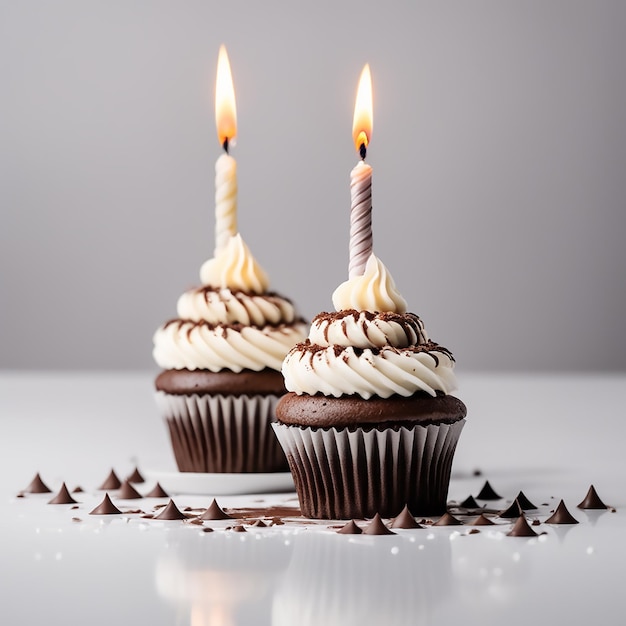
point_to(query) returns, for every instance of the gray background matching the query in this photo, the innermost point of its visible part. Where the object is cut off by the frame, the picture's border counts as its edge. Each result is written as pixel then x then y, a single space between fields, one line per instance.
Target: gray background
pixel 498 152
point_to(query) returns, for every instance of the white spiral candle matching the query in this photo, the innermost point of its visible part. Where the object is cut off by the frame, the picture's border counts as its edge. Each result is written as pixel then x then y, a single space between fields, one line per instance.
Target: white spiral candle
pixel 361 241
pixel 225 201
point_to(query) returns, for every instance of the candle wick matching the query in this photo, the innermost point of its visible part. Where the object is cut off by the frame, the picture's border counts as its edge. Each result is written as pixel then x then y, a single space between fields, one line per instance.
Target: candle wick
pixel 225 145
pixel 363 151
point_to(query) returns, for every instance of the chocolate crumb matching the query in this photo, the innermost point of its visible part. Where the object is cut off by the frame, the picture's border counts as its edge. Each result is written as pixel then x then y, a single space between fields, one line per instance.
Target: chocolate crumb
pixel 74 507
pixel 561 516
pixel 488 493
pixel 214 512
pixel 448 520
pixel 524 502
pixel 207 529
pixel 276 521
pixel 376 527
pixel 20 495
pixel 157 492
pixel 171 512
pixel 521 528
pixel 535 522
pixel 76 519
pixel 78 489
pixel 473 531
pixel 110 482
pixel 592 500
pixel 477 472
pixel 63 497
pixel 37 485
pixel 128 492
pixel 106 507
pixel 196 521
pixel 405 520
pixel 239 529
pixel 350 529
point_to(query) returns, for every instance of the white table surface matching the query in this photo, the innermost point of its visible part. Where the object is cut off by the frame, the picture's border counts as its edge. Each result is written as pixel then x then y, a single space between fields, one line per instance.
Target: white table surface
pixel 550 435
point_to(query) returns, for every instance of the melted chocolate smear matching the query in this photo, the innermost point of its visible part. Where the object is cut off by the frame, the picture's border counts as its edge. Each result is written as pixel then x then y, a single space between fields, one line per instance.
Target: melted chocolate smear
pixel 524 502
pixel 63 497
pixel 106 507
pixel 405 520
pixel 76 519
pixel 481 520
pixel 521 528
pixel 133 511
pixel 128 492
pixel 488 493
pixel 157 492
pixel 37 485
pixel 514 511
pixel 196 521
pixel 239 529
pixel 214 512
pixel 136 477
pixel 264 512
pixel 111 482
pixel 469 503
pixel 592 500
pixel 376 527
pixel 448 520
pixel 350 529
pixel 171 512
pixel 561 516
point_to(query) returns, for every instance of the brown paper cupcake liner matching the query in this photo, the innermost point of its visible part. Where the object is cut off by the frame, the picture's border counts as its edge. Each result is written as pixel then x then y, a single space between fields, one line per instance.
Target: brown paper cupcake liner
pixel 344 474
pixel 222 433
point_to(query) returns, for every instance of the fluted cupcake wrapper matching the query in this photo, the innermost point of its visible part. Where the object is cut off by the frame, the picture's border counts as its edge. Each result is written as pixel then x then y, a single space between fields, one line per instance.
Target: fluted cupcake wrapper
pixel 344 474
pixel 222 433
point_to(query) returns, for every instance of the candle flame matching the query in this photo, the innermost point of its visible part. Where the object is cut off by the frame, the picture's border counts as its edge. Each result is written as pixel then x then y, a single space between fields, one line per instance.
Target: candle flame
pixel 363 111
pixel 225 107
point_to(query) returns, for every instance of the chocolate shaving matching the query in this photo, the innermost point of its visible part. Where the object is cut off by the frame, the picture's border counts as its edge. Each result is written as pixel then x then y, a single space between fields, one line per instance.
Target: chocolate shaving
pixel 37 485
pixel 157 492
pixel 111 482
pixel 128 492
pixel 376 527
pixel 448 520
pixel 171 512
pixel 488 493
pixel 561 516
pixel 214 512
pixel 350 529
pixel 405 520
pixel 521 528
pixel 106 507
pixel 592 500
pixel 63 497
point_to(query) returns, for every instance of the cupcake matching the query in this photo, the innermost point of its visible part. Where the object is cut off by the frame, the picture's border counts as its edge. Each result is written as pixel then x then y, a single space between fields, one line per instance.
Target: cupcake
pixel 221 360
pixel 369 425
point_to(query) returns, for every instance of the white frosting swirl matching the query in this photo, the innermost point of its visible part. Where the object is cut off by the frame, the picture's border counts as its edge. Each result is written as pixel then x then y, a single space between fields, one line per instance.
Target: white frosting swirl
pixel 234 267
pixel 375 290
pixel 226 307
pixel 183 344
pixel 366 330
pixel 337 372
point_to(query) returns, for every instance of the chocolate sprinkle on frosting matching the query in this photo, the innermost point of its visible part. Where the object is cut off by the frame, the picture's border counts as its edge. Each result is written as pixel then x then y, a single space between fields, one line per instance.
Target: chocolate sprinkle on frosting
pixel 37 485
pixel 350 529
pixel 63 497
pixel 405 520
pixel 592 500
pixel 524 502
pixel 171 512
pixel 487 493
pixel 128 492
pixel 157 492
pixel 376 527
pixel 512 512
pixel 481 520
pixel 521 528
pixel 561 516
pixel 111 482
pixel 106 507
pixel 214 512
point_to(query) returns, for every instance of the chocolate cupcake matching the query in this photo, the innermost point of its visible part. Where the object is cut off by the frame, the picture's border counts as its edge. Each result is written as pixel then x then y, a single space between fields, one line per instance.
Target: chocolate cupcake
pixel 221 361
pixel 369 425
